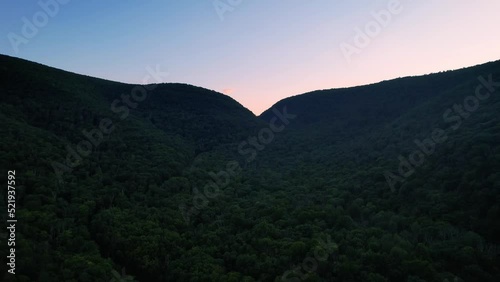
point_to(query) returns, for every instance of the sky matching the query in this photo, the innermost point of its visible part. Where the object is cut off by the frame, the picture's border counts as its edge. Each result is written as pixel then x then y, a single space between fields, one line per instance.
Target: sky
pixel 256 51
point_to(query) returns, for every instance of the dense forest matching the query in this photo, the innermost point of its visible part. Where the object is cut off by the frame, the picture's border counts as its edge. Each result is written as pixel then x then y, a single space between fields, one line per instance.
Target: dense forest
pixel 394 181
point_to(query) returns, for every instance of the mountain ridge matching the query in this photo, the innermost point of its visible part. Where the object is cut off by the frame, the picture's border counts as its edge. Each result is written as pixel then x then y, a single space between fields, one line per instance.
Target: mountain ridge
pixel 462 69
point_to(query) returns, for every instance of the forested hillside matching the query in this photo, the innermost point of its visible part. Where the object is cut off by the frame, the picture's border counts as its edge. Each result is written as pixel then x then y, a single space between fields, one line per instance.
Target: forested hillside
pixel 394 181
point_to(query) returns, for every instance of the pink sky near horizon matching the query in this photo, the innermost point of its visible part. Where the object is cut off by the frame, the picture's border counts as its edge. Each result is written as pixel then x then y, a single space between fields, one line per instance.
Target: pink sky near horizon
pixel 406 47
pixel 425 37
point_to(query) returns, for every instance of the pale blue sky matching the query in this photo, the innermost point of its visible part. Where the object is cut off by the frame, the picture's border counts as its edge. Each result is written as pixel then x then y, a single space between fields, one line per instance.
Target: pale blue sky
pixel 262 50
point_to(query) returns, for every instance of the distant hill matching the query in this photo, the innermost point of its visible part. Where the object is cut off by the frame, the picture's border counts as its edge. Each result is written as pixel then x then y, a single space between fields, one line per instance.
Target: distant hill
pixel 393 181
